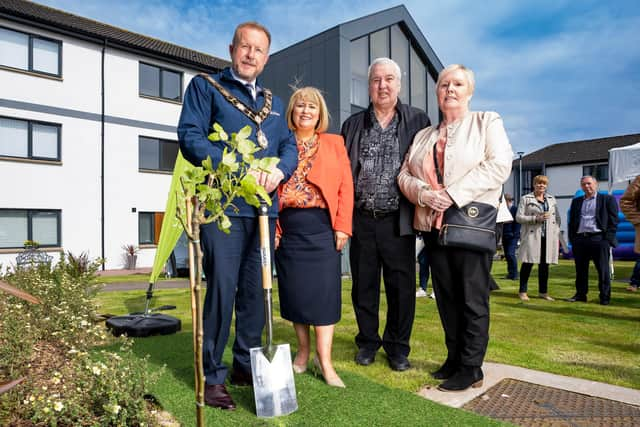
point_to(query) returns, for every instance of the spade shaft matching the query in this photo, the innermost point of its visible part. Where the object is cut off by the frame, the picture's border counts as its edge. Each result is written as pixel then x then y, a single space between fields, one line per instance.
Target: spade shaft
pixel 273 384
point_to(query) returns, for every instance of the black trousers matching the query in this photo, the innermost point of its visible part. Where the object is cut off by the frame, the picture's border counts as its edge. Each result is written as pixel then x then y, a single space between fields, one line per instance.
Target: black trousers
pixel 592 248
pixel 461 283
pixel 232 264
pixel 378 250
pixel 543 271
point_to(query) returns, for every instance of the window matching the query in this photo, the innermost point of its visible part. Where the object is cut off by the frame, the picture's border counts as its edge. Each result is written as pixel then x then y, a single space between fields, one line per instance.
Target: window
pixel 359 64
pixel 160 82
pixel 157 154
pixel 418 81
pixel 30 52
pixel 380 44
pixel 29 139
pixel 599 172
pixel 19 225
pixel 432 101
pixel 417 85
pixel 400 54
pixel 149 225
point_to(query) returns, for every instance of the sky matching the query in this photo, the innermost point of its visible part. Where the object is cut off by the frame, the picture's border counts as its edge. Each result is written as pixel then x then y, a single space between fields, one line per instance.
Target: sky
pixel 556 71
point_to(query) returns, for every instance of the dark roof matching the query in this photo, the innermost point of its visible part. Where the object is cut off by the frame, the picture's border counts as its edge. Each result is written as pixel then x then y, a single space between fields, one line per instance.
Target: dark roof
pixel 591 150
pixel 74 25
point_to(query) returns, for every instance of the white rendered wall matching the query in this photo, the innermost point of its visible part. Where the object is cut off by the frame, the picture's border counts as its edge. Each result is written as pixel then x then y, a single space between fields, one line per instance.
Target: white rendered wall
pixel 74 187
pixel 79 88
pixel 127 188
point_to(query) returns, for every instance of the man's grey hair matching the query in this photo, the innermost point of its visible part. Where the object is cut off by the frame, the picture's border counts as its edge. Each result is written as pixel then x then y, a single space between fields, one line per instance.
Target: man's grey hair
pixel 589 176
pixel 385 61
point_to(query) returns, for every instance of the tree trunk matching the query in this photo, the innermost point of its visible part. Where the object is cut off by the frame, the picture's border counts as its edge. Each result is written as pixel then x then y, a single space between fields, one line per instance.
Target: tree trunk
pixel 195 283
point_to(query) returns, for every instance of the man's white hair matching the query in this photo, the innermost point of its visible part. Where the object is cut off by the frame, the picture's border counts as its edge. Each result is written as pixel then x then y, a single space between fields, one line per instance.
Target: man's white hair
pixel 385 61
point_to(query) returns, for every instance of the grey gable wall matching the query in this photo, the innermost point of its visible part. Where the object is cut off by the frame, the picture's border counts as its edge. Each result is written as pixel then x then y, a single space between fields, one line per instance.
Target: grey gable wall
pixel 324 60
pixel 312 62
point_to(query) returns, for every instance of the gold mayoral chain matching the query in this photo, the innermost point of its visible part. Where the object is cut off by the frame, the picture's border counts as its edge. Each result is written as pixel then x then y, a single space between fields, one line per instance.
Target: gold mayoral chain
pixel 257 118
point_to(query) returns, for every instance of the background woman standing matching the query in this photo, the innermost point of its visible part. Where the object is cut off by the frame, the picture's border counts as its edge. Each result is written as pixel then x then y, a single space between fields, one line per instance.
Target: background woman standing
pixel 539 236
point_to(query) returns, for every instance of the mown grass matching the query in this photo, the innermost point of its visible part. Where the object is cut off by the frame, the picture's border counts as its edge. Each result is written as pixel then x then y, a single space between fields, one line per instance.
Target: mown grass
pixel 600 343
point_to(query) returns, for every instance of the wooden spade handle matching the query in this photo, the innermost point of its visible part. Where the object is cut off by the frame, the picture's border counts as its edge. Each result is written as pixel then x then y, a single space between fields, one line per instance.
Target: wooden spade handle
pixel 265 247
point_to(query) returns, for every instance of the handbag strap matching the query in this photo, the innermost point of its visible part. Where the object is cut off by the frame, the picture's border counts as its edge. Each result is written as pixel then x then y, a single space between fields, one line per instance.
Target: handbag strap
pixel 437 165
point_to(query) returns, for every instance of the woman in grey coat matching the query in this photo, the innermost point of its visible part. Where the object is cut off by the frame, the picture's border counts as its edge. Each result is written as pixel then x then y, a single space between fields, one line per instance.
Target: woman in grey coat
pixel 540 219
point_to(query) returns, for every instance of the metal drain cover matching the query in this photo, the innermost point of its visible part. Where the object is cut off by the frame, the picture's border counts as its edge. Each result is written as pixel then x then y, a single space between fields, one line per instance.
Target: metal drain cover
pixel 527 404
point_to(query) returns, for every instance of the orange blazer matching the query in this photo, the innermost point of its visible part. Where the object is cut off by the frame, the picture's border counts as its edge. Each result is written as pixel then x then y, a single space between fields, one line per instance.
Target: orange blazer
pixel 331 173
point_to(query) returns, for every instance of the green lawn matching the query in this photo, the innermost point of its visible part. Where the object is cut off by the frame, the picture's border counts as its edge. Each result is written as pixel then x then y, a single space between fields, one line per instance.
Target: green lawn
pixel 590 341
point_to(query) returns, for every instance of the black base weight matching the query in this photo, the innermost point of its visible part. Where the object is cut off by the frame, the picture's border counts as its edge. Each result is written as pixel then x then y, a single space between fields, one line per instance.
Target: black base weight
pixel 140 325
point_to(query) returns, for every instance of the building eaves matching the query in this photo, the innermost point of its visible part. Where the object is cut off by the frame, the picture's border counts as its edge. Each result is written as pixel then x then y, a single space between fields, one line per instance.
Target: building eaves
pixel 67 23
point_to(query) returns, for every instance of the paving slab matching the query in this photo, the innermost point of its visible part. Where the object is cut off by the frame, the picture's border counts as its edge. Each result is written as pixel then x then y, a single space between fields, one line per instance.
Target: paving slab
pixel 496 372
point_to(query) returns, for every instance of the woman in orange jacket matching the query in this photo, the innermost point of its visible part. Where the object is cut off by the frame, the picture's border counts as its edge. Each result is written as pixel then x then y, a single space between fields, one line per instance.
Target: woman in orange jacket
pixel 314 224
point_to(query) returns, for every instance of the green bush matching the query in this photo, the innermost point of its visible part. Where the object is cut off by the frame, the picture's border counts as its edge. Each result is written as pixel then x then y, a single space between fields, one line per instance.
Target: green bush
pixel 53 345
pixel 65 314
pixel 102 388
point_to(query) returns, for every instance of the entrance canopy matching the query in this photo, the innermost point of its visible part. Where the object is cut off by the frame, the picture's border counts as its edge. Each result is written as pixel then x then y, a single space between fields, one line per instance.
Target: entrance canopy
pixel 624 164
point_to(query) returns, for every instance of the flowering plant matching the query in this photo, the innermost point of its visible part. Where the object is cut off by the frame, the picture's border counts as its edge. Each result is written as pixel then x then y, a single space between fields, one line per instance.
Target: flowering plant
pixel 52 345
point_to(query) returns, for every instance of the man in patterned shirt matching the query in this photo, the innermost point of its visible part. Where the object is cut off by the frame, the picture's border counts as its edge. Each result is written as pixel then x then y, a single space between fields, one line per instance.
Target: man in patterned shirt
pixel 383 241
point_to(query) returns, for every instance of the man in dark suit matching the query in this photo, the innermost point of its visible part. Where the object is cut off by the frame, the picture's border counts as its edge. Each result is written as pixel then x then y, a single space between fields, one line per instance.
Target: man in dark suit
pixel 593 222
pixel 510 237
pixel 234 98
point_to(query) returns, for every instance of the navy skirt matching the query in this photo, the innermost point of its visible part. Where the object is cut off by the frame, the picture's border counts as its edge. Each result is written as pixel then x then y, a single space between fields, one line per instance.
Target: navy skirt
pixel 308 267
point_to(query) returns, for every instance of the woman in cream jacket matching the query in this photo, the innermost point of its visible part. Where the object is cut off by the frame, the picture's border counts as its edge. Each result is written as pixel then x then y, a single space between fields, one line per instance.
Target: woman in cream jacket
pixel 539 236
pixel 473 160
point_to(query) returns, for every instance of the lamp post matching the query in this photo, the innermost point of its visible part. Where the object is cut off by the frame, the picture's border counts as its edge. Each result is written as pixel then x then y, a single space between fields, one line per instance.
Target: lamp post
pixel 520 153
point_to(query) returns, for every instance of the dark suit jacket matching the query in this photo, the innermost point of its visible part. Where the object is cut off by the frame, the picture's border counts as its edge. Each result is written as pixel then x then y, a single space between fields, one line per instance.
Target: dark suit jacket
pixel 511 230
pixel 411 120
pixel 606 217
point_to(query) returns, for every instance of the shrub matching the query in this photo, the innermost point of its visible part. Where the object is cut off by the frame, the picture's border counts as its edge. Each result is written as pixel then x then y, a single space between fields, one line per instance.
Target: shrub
pixel 103 388
pixel 52 344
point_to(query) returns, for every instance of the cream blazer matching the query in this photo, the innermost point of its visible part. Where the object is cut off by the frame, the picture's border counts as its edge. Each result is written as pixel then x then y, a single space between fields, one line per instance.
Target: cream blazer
pixel 531 231
pixel 477 161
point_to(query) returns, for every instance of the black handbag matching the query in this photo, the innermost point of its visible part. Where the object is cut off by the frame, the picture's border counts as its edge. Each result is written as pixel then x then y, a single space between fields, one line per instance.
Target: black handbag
pixel 470 227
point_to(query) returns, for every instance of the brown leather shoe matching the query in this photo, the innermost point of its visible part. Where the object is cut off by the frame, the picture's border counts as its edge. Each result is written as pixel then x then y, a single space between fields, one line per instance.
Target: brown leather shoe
pixel 216 395
pixel 241 378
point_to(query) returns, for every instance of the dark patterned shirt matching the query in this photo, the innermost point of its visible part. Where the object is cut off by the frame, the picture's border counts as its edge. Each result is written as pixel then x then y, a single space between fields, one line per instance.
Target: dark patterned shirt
pixel 376 186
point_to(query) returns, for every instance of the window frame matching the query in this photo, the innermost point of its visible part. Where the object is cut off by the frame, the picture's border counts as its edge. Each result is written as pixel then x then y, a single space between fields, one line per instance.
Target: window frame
pixel 156 227
pixel 153 226
pixel 30 214
pixel 29 68
pixel 596 171
pixel 413 50
pixel 160 141
pixel 160 78
pixel 30 155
